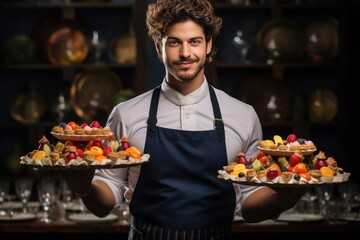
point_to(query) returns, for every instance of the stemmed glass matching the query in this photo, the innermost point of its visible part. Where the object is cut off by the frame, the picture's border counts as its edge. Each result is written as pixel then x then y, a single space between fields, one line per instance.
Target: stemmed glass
pixel 307 202
pixel 345 191
pixel 4 191
pixel 46 189
pixel 98 45
pixel 23 189
pixel 324 193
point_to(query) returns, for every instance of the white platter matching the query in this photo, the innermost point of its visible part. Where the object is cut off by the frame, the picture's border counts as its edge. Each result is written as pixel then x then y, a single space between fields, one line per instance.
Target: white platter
pixel 299 217
pixel 18 204
pixel 18 217
pixel 91 218
pixel 285 153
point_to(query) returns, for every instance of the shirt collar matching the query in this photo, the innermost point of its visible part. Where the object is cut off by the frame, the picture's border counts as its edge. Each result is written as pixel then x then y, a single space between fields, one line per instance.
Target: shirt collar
pixel 177 98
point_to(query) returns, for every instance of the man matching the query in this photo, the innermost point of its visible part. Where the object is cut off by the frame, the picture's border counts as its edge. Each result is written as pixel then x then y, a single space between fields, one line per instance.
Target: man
pixel 191 130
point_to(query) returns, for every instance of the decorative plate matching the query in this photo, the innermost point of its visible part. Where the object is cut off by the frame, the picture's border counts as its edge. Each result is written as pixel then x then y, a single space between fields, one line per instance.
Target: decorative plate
pixel 91 218
pixel 285 153
pixel 92 100
pixel 73 137
pixel 299 217
pixel 18 217
pixel 281 39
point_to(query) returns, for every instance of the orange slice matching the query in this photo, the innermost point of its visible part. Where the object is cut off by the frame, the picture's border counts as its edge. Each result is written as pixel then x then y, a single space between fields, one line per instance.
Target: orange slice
pixel 326 172
pixel 278 139
pixel 239 167
pixel 100 158
pixel 300 168
pixel 97 151
pixel 39 155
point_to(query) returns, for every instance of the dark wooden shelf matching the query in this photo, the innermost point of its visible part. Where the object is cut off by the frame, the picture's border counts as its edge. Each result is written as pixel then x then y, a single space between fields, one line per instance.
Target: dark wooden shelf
pixel 41 66
pixel 65 5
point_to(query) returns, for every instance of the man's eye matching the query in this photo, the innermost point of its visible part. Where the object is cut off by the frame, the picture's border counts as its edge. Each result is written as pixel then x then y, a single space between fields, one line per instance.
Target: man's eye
pixel 173 43
pixel 195 42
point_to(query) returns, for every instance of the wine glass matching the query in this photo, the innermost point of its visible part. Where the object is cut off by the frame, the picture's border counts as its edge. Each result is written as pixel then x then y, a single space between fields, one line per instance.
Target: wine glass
pixel 324 193
pixel 241 45
pixel 98 45
pixel 4 191
pixel 307 201
pixel 345 191
pixel 46 189
pixel 23 189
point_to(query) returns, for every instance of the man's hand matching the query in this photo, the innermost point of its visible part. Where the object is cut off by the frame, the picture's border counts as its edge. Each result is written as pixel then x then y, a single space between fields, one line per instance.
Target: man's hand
pixel 79 181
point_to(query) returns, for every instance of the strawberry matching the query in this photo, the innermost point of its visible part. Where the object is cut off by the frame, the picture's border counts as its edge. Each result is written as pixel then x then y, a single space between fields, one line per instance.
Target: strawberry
pixel 294 159
pixel 84 125
pixel 107 150
pixel 79 152
pixel 291 138
pixel 95 124
pixel 264 160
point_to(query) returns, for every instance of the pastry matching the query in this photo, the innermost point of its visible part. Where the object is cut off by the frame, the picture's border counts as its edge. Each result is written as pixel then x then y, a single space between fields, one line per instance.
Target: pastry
pixel 55 156
pixel 250 173
pixel 123 155
pixel 261 175
pixel 229 168
pixel 71 149
pixel 90 157
pixel 96 131
pixel 315 173
pixel 113 156
pixel 105 131
pixel 88 130
pixel 79 131
pixel 286 176
pixel 69 131
pixel 58 129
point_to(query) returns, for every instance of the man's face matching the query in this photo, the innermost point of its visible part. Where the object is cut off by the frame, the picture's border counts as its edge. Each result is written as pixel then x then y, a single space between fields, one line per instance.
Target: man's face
pixel 184 51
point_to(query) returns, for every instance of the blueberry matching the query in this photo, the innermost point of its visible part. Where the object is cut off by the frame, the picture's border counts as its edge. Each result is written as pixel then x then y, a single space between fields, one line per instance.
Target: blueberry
pixel 301 140
pixel 297 177
pixel 241 174
pixel 284 169
pixel 62 124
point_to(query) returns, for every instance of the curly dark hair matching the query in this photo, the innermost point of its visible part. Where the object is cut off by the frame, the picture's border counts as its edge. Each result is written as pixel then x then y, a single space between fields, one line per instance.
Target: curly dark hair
pixel 164 13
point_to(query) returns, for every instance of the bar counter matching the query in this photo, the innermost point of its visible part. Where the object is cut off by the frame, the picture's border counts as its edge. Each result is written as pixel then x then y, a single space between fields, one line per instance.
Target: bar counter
pixel 119 229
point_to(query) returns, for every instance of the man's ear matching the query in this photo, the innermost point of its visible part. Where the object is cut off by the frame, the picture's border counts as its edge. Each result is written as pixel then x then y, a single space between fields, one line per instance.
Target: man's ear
pixel 209 46
pixel 159 50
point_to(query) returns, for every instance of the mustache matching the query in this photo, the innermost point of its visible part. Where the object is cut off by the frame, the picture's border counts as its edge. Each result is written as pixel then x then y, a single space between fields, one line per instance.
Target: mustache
pixel 186 60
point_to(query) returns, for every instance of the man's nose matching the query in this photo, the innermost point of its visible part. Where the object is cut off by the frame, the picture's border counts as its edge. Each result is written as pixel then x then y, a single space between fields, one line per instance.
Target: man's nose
pixel 185 51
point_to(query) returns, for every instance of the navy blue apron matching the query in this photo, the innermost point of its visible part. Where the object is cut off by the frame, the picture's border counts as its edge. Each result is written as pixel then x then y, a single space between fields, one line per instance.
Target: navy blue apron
pixel 178 188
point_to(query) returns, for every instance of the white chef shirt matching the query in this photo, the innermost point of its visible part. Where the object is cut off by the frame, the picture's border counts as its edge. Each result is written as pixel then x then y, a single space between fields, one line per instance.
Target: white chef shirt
pixel 191 112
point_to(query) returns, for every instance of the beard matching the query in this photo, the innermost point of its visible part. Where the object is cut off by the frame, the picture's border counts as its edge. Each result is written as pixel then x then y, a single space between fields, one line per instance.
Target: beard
pixel 187 75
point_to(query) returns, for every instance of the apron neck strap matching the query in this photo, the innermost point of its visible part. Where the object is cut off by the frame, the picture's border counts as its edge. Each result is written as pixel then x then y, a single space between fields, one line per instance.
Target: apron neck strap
pixel 218 121
pixel 152 120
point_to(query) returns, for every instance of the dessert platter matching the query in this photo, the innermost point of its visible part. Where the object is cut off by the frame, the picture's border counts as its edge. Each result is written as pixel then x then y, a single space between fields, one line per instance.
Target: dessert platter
pixel 296 168
pixel 84 147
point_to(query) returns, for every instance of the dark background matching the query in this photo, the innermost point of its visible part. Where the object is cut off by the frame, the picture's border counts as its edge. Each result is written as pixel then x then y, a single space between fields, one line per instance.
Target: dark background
pixel 337 138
